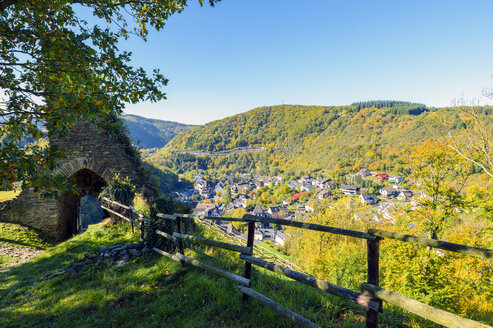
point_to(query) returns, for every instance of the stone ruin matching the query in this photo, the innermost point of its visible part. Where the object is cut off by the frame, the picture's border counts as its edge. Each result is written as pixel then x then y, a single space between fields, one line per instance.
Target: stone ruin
pixel 95 159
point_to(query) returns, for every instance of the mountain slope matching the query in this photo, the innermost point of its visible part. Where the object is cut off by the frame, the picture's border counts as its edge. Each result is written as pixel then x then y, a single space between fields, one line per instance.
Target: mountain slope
pixel 306 138
pixel 153 133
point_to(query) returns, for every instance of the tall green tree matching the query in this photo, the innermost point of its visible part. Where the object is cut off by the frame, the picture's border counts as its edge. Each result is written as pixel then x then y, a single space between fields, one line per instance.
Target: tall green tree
pixel 57 68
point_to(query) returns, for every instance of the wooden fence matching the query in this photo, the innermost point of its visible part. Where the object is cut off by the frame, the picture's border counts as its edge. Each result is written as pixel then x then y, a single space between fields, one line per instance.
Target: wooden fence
pixel 132 215
pixel 371 295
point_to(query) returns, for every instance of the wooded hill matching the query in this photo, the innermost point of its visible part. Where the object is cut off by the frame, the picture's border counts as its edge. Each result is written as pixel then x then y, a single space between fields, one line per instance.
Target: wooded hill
pixel 298 139
pixel 152 133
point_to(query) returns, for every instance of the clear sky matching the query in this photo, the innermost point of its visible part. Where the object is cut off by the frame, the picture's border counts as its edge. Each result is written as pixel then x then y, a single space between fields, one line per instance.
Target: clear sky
pixel 243 54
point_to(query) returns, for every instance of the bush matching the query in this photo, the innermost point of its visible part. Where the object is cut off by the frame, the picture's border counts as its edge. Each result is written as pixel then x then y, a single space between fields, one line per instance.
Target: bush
pixel 166 205
pixel 119 190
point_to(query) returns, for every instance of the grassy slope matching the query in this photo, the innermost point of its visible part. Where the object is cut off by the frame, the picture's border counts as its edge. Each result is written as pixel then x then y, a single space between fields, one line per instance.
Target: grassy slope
pixel 154 291
pixel 21 236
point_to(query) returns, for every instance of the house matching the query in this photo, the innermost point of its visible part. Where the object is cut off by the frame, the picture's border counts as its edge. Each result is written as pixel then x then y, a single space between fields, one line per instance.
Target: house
pixel 386 210
pixel 259 211
pixel 274 211
pixel 388 192
pixel 310 206
pixel 201 185
pixel 405 195
pixel 307 187
pixel 364 172
pixel 324 194
pixel 368 199
pixel 293 184
pixel 204 209
pixel 396 179
pixel 305 179
pixel 297 196
pixel 382 176
pixel 283 211
pixel 325 183
pixel 300 209
pixel 349 190
pixel 279 237
pixel 219 187
pixel 258 184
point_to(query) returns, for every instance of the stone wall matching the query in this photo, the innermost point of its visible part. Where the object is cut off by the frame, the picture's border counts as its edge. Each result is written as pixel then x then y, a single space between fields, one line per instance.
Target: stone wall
pixel 92 151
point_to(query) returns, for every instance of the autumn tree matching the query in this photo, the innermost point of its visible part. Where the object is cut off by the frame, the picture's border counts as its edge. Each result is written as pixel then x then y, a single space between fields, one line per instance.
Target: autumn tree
pixel 473 141
pixel 440 175
pixel 56 68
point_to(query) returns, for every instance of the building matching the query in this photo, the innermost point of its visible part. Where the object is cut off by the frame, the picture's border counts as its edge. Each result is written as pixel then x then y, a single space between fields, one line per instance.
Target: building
pixel 349 190
pixel 388 192
pixel 368 199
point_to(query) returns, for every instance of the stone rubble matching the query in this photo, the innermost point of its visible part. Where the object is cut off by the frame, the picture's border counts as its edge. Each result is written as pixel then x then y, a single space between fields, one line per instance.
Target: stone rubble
pixel 118 255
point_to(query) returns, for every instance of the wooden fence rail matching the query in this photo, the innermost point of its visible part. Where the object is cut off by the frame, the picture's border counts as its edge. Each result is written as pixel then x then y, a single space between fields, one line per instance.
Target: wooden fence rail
pixel 355 297
pixel 373 295
pixel 428 312
pixel 130 218
pixel 458 248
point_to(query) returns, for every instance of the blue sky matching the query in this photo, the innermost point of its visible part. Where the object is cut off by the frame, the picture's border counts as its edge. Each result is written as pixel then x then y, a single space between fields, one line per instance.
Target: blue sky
pixel 243 54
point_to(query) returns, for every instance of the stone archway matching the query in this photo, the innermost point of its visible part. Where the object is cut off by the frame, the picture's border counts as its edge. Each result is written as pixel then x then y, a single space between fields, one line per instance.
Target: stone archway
pixel 95 159
pixel 89 184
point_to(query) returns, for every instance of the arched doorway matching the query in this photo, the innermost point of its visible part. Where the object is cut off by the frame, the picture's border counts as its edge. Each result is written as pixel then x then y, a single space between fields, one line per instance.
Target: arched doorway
pixel 70 220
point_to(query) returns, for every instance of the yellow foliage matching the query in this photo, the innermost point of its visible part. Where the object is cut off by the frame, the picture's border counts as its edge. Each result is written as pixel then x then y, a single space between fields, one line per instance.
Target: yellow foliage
pixel 141 205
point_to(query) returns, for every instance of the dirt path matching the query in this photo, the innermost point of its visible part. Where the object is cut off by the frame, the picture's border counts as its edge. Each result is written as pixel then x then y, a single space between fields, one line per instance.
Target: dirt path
pixel 20 254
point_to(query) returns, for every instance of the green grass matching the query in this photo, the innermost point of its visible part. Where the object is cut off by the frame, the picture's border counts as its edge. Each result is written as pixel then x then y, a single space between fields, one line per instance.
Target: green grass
pixel 6 259
pixel 154 291
pixel 21 236
pixel 275 249
pixel 8 195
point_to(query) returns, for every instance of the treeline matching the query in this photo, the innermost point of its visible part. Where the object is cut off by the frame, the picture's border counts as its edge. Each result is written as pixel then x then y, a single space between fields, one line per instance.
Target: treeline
pixel 393 106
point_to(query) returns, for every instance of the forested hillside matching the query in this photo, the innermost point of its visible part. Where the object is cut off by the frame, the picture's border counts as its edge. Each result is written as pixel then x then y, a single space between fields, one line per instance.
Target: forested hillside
pixel 297 139
pixel 152 133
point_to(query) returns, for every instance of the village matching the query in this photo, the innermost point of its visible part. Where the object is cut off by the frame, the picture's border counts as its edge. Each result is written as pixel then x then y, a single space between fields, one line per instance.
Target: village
pixel 297 198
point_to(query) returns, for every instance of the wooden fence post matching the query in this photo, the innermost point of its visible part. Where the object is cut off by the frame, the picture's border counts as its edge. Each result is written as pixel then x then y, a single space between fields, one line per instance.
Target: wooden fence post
pixel 248 266
pixel 181 249
pixel 130 215
pixel 373 247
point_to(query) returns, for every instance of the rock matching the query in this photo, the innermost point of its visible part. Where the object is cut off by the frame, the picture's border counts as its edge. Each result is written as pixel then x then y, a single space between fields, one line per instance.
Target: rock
pixel 78 264
pixel 70 271
pixel 55 274
pixel 115 246
pixel 134 252
pixel 122 261
pixel 90 255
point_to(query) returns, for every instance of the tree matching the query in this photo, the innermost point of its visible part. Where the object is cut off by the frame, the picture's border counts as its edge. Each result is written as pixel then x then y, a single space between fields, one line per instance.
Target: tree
pixel 56 68
pixel 226 195
pixel 441 176
pixel 470 134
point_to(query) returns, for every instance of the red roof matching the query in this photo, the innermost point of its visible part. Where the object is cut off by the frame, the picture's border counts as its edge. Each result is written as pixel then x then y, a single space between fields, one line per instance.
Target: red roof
pixel 383 176
pixel 297 196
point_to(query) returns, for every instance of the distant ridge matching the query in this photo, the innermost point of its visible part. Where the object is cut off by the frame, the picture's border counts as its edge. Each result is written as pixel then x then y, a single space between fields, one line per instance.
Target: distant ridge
pixel 152 133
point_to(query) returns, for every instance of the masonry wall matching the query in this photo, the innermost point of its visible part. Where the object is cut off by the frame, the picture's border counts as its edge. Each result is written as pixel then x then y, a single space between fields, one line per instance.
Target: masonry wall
pixel 91 150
